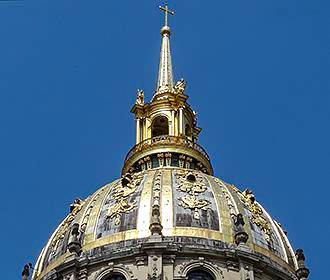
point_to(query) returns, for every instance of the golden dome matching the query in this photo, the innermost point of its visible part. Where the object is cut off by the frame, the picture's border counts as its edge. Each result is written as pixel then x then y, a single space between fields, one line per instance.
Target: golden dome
pixel 168 208
pixel 191 204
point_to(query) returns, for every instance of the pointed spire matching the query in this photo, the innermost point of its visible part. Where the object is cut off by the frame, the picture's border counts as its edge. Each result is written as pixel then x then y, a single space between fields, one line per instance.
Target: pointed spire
pixel 165 75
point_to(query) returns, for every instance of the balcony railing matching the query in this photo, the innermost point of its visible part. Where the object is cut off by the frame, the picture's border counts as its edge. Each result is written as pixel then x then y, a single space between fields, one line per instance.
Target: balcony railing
pixel 166 140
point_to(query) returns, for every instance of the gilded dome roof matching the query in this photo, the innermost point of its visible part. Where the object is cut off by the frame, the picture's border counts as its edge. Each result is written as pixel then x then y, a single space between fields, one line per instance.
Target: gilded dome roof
pixel 167 208
pixel 191 204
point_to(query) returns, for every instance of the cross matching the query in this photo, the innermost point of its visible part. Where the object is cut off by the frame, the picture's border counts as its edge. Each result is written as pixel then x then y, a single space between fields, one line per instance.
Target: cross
pixel 167 11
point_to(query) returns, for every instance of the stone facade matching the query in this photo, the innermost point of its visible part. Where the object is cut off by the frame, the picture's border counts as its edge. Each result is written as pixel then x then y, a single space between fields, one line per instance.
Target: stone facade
pixel 169 259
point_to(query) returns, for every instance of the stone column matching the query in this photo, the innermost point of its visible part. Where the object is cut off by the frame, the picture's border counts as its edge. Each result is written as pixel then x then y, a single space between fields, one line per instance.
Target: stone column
pixel 145 130
pixel 138 131
pixel 181 121
pixel 155 266
pixel 173 122
pixel 246 271
pixel 168 266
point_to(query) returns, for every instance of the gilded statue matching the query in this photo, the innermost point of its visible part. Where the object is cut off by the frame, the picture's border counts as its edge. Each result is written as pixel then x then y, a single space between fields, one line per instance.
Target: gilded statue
pixel 140 97
pixel 180 86
pixel 76 205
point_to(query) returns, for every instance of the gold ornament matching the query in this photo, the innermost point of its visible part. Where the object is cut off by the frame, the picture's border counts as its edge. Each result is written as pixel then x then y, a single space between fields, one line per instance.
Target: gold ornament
pixel 256 211
pixel 192 184
pixel 75 207
pixel 121 195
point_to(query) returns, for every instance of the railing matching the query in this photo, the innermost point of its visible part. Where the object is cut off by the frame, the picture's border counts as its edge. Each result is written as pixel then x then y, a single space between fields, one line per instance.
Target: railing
pixel 166 140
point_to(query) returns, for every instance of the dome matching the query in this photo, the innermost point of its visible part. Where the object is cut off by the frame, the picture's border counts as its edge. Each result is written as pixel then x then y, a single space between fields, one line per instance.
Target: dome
pixel 194 208
pixel 168 217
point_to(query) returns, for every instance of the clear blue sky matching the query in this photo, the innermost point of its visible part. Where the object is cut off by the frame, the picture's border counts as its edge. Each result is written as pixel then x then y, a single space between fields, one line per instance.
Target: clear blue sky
pixel 258 75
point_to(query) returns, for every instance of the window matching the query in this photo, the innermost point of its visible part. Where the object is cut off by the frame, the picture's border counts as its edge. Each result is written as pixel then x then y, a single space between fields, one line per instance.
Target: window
pixel 159 126
pixel 199 275
pixel 116 276
pixel 188 130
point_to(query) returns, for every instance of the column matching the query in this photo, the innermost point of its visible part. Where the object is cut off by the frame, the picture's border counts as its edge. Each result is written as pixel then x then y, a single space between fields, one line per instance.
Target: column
pixel 145 129
pixel 181 121
pixel 173 122
pixel 138 131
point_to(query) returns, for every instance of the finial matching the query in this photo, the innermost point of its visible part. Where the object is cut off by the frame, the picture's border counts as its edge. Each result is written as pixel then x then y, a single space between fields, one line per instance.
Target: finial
pixel 74 245
pixel 302 272
pixel 240 235
pixel 165 74
pixel 26 271
pixel 166 29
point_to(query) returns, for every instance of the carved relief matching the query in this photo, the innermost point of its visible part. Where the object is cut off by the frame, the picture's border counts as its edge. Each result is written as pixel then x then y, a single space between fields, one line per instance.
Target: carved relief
pixel 121 195
pixel 75 207
pixel 89 210
pixel 257 217
pixel 156 268
pixel 156 189
pixel 155 223
pixel 193 185
pixel 230 202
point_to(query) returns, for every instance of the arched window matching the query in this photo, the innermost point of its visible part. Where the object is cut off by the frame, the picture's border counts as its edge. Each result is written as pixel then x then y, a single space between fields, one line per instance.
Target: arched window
pixel 199 275
pixel 188 130
pixel 159 126
pixel 116 276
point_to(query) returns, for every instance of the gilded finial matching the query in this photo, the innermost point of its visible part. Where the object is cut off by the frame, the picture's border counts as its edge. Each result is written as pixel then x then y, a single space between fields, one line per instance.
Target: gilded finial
pixel 166 28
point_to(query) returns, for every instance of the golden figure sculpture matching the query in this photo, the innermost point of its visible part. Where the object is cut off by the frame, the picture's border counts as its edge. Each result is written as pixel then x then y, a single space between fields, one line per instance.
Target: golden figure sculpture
pixel 140 97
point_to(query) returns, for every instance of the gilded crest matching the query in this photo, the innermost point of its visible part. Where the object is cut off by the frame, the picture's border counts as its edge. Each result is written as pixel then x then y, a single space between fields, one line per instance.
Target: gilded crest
pixel 256 211
pixel 121 196
pixel 193 185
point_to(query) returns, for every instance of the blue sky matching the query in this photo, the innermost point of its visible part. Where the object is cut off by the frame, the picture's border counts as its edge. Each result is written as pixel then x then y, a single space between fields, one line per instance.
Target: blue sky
pixel 258 75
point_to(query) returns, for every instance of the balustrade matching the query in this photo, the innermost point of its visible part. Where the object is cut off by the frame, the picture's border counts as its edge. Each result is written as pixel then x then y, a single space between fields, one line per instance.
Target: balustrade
pixel 166 140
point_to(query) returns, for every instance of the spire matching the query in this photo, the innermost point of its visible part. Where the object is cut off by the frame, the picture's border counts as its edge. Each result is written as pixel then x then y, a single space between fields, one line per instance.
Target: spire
pixel 165 75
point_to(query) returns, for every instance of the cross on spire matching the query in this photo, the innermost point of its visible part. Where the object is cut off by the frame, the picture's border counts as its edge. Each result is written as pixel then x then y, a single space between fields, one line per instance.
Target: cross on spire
pixel 167 11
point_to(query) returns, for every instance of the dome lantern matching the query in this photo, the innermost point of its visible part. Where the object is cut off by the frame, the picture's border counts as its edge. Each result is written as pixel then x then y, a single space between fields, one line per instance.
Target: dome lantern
pixel 166 126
